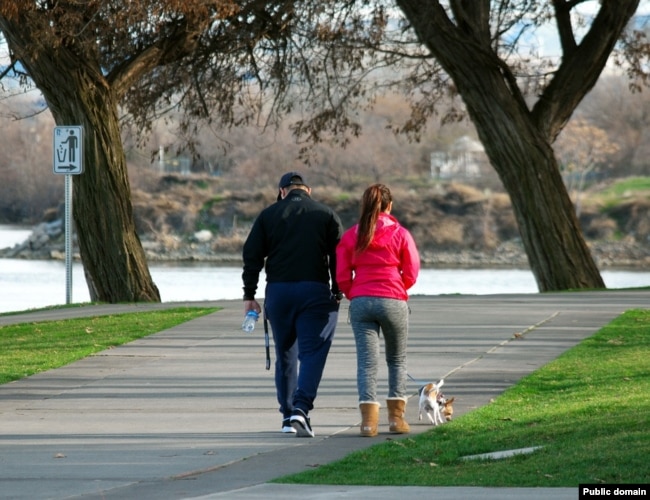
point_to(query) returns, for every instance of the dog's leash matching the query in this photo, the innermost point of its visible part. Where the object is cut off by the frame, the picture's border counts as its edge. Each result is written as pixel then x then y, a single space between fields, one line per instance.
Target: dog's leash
pixel 266 342
pixel 420 382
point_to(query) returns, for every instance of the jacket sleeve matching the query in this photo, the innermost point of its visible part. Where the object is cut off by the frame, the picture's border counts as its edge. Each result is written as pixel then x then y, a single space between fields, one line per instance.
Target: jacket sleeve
pixel 254 252
pixel 410 259
pixel 334 237
pixel 344 264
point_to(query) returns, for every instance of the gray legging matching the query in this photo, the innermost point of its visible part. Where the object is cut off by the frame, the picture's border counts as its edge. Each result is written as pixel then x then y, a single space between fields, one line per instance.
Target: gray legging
pixel 369 315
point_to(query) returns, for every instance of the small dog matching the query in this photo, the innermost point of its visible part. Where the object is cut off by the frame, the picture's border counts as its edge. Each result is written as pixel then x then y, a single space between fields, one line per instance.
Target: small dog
pixel 446 407
pixel 430 397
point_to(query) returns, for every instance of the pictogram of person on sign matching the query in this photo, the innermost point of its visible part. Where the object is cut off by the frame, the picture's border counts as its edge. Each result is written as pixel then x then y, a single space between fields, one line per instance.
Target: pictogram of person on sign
pixel 71 141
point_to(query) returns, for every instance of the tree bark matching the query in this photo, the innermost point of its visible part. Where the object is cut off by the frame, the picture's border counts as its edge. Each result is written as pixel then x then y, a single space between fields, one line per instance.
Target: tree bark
pixel 518 140
pixel 114 261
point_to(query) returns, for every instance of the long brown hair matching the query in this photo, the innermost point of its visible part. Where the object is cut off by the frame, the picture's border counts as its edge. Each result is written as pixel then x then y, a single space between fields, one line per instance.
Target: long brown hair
pixel 375 200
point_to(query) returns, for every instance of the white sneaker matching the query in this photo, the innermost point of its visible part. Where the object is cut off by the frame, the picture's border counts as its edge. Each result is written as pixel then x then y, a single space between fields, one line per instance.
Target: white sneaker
pixel 300 422
pixel 286 427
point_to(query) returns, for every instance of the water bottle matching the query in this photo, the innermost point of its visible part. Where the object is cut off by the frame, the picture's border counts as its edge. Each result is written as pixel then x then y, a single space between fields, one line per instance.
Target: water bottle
pixel 249 321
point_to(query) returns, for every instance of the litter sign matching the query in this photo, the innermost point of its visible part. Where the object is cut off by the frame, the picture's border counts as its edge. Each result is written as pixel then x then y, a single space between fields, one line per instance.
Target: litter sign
pixel 68 150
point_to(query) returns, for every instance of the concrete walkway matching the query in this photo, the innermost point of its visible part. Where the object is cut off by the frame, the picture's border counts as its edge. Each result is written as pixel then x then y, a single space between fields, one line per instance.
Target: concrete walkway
pixel 191 412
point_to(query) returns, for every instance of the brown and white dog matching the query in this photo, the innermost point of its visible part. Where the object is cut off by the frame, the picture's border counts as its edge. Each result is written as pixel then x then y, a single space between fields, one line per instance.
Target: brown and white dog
pixel 430 402
pixel 446 407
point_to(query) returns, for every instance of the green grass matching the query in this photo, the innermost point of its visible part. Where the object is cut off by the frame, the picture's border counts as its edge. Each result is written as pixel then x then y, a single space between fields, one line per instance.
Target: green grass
pixel 589 410
pixel 629 185
pixel 50 308
pixel 632 187
pixel 29 348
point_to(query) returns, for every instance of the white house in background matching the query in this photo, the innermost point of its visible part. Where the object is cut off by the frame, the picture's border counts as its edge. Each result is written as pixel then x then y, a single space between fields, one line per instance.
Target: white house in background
pixel 464 160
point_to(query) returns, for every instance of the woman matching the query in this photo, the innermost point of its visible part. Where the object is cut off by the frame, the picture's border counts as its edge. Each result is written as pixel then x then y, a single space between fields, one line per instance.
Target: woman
pixel 376 263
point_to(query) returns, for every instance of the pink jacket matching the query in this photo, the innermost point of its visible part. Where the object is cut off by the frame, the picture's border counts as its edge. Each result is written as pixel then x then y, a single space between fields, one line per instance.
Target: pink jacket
pixel 387 268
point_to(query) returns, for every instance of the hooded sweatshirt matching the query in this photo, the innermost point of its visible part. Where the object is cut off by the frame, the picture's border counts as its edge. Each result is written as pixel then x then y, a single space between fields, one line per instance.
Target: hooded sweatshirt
pixel 387 268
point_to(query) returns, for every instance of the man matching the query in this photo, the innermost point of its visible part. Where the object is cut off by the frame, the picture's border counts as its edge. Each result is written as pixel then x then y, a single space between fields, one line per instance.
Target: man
pixel 296 238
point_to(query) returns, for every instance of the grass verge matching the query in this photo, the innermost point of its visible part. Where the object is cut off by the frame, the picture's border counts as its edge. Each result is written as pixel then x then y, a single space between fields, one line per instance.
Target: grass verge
pixel 29 348
pixel 589 410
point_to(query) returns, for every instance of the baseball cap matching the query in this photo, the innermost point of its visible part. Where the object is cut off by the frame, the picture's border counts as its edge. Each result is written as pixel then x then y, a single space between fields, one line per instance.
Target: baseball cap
pixel 292 178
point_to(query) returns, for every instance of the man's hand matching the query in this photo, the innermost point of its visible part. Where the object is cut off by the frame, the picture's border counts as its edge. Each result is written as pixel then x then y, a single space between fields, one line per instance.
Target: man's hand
pixel 252 305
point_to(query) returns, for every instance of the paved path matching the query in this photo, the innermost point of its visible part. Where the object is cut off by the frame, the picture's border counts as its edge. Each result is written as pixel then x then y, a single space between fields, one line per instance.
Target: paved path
pixel 191 412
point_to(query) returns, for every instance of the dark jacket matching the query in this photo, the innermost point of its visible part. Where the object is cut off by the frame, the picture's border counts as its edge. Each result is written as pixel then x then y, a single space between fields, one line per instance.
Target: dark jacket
pixel 297 237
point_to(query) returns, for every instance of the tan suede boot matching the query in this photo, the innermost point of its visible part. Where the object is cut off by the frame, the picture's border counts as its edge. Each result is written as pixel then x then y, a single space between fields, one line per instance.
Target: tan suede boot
pixel 369 418
pixel 396 422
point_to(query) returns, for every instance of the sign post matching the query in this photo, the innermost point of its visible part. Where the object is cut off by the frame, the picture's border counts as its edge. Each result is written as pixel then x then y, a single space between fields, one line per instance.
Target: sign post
pixel 68 160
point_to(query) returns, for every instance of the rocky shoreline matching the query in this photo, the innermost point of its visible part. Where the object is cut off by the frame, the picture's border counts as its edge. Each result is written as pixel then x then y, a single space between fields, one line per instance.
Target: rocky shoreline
pixel 47 243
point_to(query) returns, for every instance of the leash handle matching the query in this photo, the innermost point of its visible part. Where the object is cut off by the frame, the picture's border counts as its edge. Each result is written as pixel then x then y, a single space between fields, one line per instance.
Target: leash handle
pixel 266 342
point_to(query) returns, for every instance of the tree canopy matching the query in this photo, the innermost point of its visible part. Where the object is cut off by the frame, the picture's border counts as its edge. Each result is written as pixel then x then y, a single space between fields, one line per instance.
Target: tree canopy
pixel 96 62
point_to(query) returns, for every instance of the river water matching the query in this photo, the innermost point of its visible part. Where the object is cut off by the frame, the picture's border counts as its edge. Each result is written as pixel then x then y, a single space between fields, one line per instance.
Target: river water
pixel 28 284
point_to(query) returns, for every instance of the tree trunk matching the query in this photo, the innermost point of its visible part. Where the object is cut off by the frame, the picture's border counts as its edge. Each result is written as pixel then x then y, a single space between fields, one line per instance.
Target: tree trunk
pixel 517 143
pixel 557 253
pixel 114 261
pixel 77 94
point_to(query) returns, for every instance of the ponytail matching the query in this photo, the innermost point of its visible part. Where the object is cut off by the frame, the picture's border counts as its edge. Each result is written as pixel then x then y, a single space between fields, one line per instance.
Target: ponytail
pixel 375 199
